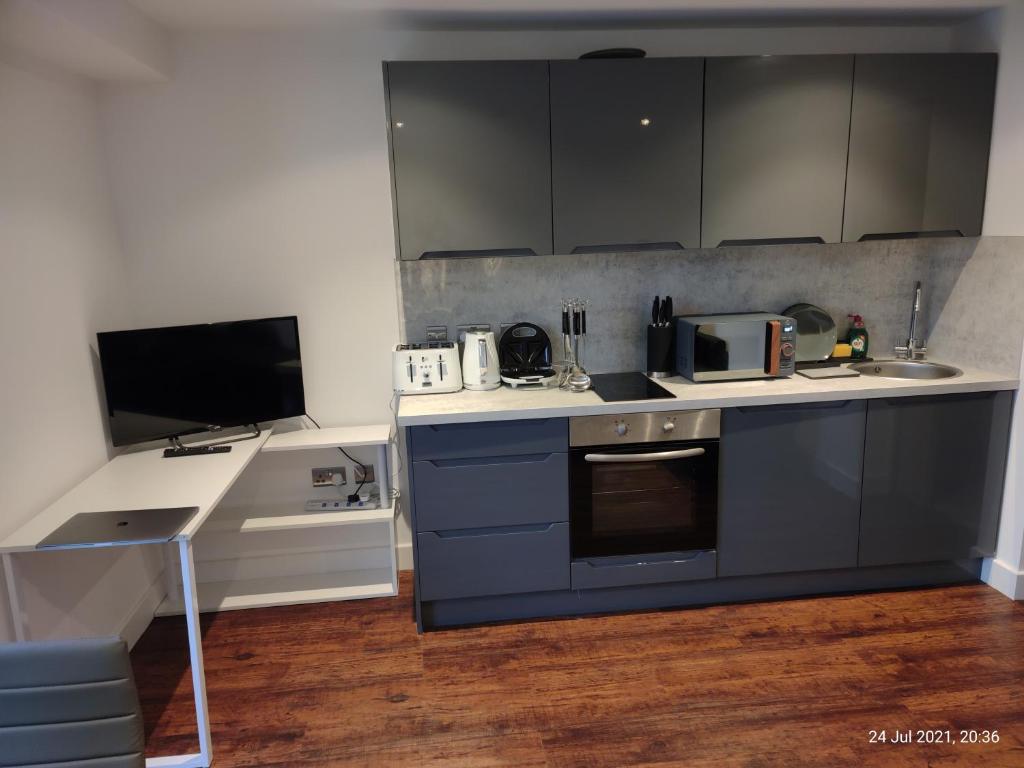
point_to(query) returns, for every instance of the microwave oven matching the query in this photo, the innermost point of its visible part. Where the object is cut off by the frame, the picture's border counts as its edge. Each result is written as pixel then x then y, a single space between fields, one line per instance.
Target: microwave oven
pixel 728 347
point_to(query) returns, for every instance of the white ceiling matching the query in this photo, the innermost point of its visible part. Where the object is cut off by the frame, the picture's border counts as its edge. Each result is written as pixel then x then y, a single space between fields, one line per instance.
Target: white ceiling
pixel 193 14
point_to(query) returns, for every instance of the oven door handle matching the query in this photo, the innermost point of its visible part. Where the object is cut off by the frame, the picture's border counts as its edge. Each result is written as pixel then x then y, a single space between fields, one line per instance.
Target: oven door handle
pixel 632 458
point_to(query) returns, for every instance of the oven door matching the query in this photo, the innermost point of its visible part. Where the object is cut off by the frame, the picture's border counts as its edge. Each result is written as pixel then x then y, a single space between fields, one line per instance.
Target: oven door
pixel 643 499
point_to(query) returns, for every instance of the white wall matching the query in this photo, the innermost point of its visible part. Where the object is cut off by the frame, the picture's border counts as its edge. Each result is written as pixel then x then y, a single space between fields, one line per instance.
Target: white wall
pixel 1003 31
pixel 63 278
pixel 256 182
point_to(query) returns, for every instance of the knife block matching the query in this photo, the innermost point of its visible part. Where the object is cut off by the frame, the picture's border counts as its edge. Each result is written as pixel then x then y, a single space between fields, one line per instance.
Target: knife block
pixel 661 351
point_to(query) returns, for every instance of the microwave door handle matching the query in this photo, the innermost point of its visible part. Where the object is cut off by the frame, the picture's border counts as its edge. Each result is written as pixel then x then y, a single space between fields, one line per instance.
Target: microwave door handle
pixel 636 458
pixel 774 348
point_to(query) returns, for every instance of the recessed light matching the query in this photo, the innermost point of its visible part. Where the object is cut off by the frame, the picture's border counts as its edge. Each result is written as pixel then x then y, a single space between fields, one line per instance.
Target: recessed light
pixel 645 121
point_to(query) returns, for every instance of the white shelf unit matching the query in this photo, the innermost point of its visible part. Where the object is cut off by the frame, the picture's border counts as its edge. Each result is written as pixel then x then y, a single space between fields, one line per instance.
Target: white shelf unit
pixel 257 556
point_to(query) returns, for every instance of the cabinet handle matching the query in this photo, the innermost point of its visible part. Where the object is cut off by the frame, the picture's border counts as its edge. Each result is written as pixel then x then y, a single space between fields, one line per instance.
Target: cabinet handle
pixel 820 406
pixel 672 558
pixel 911 235
pixel 772 241
pixel 669 245
pixel 526 458
pixel 481 253
pixel 636 458
pixel 490 424
pixel 472 533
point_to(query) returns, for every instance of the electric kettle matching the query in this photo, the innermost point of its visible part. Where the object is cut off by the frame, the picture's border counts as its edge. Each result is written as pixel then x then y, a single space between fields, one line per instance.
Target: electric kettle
pixel 480 361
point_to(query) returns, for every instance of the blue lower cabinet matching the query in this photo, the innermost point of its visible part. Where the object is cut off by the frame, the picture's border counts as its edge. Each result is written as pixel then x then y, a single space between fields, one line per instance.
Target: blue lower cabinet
pixel 490 492
pixel 493 561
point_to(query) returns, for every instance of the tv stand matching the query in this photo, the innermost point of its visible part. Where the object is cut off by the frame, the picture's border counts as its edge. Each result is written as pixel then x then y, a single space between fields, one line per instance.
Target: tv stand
pixel 222 446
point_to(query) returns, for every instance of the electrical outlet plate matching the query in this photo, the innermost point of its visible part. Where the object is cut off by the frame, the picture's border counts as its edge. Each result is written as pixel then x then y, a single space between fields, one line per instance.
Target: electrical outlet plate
pixel 324 476
pixel 357 473
pixel 505 327
pixel 437 333
pixel 462 330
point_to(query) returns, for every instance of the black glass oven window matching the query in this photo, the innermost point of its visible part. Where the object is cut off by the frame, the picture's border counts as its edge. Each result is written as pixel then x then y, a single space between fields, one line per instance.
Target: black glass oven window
pixel 625 508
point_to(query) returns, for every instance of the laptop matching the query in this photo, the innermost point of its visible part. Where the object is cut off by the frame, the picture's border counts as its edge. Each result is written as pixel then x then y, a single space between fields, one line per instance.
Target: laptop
pixel 119 528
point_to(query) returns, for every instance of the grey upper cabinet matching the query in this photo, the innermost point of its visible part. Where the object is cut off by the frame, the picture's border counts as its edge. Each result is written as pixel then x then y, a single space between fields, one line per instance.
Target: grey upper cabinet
pixel 933 477
pixel 626 153
pixel 471 157
pixel 776 134
pixel 919 144
pixel 790 488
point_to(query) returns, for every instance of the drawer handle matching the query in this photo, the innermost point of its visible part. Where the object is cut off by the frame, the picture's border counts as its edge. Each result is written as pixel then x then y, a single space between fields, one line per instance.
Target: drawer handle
pixel 506 530
pixel 491 424
pixel 822 405
pixel 910 235
pixel 477 253
pixel 636 458
pixel 679 561
pixel 526 458
pixel 670 245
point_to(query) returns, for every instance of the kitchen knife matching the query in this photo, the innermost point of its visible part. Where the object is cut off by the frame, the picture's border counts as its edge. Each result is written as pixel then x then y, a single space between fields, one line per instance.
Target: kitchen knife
pixel 655 310
pixel 666 310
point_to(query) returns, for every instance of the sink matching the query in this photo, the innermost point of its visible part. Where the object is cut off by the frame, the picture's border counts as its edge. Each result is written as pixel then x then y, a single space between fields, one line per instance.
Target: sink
pixel 906 369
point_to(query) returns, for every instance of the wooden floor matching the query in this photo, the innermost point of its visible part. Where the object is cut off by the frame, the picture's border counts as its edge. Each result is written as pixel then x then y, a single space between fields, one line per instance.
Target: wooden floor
pixel 791 683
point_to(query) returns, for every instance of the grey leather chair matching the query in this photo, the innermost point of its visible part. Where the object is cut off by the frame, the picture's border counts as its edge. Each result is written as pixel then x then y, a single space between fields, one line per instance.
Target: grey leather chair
pixel 71 704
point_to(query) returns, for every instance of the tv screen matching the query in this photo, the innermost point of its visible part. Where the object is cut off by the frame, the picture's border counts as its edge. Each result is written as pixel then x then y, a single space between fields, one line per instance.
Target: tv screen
pixel 164 382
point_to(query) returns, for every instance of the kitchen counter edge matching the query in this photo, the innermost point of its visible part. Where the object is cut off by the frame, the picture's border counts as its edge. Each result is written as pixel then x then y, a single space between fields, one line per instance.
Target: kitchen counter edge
pixel 507 404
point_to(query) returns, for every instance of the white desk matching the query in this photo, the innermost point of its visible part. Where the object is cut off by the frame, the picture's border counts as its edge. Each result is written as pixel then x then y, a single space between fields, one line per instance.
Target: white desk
pixel 139 481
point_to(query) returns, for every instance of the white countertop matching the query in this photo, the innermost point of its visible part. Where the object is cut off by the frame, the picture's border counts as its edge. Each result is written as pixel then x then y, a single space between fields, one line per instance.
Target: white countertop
pixel 505 403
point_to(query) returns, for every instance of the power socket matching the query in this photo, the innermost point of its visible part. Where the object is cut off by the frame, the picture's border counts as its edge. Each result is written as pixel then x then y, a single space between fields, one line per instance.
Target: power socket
pixel 357 473
pixel 462 330
pixel 325 476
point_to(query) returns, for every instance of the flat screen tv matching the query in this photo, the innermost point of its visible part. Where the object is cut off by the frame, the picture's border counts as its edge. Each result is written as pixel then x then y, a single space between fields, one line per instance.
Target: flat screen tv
pixel 166 382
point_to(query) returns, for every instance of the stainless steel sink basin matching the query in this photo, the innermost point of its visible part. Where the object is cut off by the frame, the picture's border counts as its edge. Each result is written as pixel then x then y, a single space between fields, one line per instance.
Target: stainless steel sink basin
pixel 906 369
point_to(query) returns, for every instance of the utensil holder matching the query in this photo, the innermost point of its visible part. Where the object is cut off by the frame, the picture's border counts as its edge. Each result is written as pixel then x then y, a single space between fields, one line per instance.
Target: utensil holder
pixel 661 351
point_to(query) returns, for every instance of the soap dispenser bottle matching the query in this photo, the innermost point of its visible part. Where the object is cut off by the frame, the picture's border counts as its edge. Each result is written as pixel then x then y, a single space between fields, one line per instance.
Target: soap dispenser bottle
pixel 858 337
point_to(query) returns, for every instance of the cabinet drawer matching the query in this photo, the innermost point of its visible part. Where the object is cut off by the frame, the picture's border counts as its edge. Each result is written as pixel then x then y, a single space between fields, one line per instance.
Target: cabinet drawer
pixel 502 561
pixel 500 490
pixel 495 438
pixel 630 571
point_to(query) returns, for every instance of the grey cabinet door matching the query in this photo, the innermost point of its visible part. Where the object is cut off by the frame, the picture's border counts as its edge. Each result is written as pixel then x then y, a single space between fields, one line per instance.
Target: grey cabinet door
pixel 626 153
pixel 776 134
pixel 933 477
pixel 919 144
pixel 790 488
pixel 471 157
pixel 490 492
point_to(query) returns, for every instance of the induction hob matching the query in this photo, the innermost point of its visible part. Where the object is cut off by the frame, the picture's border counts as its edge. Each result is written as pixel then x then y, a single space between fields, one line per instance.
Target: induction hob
pixel 617 387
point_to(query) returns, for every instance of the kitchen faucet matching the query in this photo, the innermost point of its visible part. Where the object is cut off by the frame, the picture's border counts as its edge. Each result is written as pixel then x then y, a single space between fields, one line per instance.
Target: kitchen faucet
pixel 914 348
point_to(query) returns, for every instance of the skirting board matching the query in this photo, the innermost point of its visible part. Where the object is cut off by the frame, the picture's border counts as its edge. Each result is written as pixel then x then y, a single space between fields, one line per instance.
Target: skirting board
pixel 1003 577
pixel 404 552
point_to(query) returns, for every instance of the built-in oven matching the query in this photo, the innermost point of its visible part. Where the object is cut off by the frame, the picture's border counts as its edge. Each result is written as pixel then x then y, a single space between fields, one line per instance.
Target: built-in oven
pixel 644 492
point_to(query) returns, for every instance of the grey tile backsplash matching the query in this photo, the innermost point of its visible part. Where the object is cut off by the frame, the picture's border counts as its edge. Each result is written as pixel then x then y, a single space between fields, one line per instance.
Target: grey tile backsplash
pixel 971 286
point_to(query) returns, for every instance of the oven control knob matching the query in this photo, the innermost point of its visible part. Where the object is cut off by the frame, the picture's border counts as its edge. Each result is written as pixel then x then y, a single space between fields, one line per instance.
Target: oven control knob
pixel 621 429
pixel 787 349
pixel 668 426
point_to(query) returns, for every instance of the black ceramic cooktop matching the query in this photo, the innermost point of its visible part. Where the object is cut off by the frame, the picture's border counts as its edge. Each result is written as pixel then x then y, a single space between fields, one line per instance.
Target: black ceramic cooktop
pixel 616 387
